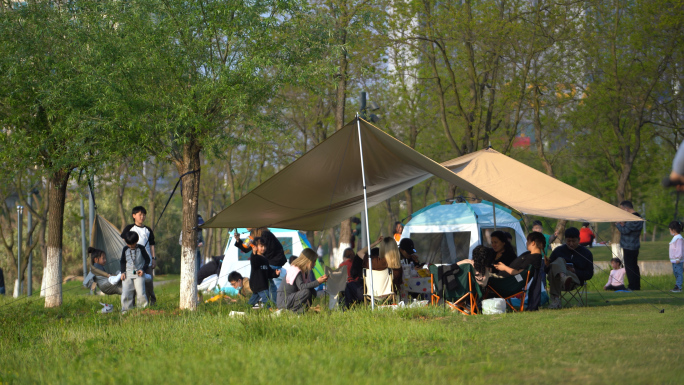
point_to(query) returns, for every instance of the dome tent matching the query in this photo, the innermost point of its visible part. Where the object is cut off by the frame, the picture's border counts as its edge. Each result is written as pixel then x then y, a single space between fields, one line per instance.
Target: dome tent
pixel 449 233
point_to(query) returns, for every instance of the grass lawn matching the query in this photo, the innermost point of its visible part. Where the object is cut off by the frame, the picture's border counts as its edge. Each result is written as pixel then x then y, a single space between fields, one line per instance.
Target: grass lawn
pixel 649 251
pixel 625 340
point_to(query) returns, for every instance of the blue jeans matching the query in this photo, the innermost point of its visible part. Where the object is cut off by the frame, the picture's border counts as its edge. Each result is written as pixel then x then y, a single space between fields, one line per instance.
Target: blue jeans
pixel 678 270
pixel 264 296
pixel 274 284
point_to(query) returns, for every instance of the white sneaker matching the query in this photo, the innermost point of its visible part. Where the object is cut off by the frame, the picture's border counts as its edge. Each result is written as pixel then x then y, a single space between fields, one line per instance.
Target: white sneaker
pixel 676 290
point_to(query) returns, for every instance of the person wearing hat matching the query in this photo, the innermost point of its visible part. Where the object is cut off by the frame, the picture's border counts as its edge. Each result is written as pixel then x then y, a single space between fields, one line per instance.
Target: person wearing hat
pixel 408 252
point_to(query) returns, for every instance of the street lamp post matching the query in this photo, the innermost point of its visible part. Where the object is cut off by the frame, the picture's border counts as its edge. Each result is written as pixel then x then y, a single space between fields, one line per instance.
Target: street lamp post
pixel 20 210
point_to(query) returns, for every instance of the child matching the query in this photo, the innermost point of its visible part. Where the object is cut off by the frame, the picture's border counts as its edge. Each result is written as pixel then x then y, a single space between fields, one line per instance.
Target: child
pixel 98 258
pixel 261 276
pixel 616 280
pixel 677 254
pixel 241 284
pixel 146 240
pixel 134 262
pixel 586 235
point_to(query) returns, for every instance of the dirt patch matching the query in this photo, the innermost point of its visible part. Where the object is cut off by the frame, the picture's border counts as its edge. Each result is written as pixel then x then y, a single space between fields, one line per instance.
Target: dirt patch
pixel 153 312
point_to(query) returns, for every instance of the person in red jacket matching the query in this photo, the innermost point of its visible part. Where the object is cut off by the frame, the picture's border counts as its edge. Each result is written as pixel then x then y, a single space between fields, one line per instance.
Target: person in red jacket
pixel 586 235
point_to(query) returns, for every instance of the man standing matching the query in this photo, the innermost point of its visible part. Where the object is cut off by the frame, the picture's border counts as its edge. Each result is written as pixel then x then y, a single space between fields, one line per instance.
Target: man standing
pixel 569 265
pixel 630 232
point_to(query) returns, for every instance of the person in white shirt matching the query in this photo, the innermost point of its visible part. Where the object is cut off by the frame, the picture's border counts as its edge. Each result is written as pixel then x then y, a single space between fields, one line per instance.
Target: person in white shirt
pixel 146 240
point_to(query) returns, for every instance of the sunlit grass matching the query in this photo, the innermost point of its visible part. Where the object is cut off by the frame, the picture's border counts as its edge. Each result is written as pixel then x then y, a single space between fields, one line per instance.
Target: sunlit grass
pixel 626 339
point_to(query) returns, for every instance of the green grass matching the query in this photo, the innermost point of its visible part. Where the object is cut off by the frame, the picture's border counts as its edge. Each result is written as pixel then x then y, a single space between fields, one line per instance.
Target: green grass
pixel 624 340
pixel 649 251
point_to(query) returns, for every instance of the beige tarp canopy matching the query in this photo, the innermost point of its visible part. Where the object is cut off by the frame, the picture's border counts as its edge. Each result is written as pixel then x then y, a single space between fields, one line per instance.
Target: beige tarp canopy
pixel 324 186
pixel 530 191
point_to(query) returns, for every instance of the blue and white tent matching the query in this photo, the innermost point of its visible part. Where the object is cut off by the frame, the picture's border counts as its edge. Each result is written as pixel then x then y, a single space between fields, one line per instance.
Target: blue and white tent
pixel 448 233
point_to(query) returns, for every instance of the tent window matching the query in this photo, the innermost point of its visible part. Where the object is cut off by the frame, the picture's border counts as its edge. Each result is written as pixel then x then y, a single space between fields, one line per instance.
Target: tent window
pixel 448 247
pixel 485 233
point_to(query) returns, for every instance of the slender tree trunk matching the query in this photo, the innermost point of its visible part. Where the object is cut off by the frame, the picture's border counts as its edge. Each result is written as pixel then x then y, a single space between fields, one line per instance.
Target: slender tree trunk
pixel 209 241
pixel 53 269
pixel 408 194
pixel 345 226
pixel 152 195
pixel 451 191
pixel 119 198
pixel 311 237
pixel 190 162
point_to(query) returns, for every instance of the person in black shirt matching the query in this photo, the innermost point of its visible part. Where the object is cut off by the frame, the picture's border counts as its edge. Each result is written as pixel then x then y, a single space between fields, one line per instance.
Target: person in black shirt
pixel 569 265
pixel 536 242
pixel 260 279
pixel 274 252
pixel 2 282
pixel 210 268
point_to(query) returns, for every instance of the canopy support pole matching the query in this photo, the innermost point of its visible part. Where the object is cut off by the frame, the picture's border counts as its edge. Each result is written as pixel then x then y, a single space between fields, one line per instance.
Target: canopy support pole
pixel 494 214
pixel 365 210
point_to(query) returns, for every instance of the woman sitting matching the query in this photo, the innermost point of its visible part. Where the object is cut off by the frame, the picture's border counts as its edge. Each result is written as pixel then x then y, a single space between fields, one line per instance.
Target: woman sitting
pixel 388 258
pixel 353 292
pixel 503 249
pixel 482 261
pixel 297 292
pixel 536 242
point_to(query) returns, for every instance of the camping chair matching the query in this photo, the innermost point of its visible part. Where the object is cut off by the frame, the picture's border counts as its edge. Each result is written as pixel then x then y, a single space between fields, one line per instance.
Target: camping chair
pixel 510 287
pixel 337 281
pixel 382 286
pixel 578 295
pixel 456 286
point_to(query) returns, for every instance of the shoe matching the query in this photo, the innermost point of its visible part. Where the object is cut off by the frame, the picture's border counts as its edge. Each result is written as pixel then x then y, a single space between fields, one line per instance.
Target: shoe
pixel 676 290
pixel 568 284
pixel 555 303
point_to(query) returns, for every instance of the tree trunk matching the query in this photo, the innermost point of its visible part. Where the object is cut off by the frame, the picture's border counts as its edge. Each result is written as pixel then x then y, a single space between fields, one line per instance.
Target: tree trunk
pixel 52 275
pixel 451 191
pixel 341 101
pixel 620 192
pixel 341 85
pixel 332 247
pixel 409 202
pixel 152 194
pixel 345 242
pixel 191 182
pixel 311 237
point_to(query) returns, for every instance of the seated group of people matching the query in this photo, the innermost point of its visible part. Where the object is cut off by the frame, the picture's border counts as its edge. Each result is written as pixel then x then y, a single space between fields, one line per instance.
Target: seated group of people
pixel 568 266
